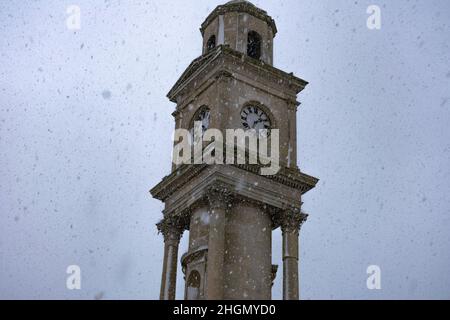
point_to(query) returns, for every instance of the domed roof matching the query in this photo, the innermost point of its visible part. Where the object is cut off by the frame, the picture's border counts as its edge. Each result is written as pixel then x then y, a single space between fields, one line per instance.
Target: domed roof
pixel 240 6
pixel 238 1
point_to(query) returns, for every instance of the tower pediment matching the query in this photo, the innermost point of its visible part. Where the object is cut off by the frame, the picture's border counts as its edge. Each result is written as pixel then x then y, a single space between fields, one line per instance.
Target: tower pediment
pixel 236 63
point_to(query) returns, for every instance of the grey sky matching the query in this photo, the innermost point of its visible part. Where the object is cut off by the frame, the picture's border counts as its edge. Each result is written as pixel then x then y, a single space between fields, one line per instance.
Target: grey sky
pixel 85 131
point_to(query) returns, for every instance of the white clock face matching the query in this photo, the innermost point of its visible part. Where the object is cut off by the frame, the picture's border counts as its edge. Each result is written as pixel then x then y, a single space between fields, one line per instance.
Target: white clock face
pixel 254 118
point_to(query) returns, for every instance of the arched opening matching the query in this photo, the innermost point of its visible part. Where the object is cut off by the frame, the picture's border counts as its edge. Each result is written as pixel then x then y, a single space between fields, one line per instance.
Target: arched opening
pixel 193 286
pixel 202 117
pixel 211 44
pixel 254 45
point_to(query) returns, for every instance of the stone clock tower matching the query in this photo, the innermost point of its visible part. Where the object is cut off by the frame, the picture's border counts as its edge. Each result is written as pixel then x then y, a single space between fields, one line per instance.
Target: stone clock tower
pixel 230 211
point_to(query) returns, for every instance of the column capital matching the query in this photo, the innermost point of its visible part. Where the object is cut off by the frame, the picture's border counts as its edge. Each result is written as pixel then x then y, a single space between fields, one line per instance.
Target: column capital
pixel 219 196
pixel 292 220
pixel 293 104
pixel 172 229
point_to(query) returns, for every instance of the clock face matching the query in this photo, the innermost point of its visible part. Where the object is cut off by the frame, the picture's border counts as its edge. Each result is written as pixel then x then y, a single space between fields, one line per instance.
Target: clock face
pixel 254 118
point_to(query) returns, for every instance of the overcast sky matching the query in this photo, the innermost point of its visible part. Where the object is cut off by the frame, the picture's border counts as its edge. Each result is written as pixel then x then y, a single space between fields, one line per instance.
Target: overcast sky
pixel 85 132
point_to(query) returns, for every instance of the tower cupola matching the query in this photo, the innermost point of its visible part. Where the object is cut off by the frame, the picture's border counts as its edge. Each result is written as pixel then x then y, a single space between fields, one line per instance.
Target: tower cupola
pixel 242 26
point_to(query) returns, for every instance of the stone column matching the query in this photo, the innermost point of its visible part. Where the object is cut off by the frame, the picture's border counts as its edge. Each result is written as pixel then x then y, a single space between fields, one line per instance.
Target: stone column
pixel 219 201
pixel 291 223
pixel 172 233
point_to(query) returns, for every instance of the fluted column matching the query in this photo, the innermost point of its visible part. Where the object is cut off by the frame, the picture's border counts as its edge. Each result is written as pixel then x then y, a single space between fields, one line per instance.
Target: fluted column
pixel 219 201
pixel 172 232
pixel 291 223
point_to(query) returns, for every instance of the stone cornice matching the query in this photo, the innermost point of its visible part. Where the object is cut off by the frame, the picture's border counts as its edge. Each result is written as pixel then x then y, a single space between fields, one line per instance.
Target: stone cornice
pixel 242 6
pixel 175 180
pixel 292 178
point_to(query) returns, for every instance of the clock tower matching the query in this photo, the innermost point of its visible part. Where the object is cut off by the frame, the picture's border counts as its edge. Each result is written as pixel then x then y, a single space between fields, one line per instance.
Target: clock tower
pixel 231 210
